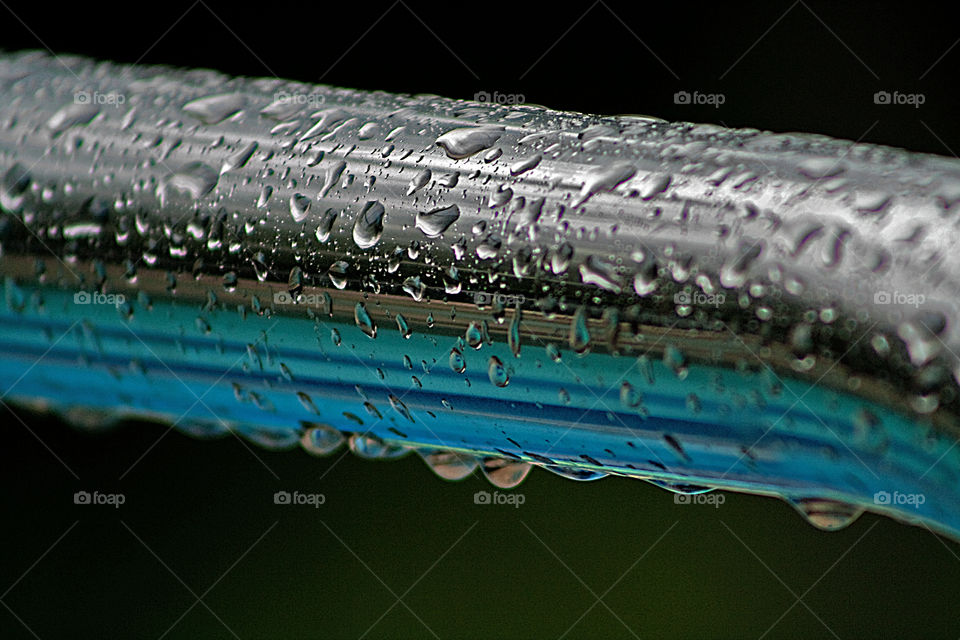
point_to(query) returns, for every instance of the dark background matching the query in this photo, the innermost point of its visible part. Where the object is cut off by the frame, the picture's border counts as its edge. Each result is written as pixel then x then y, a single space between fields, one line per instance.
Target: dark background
pixel 205 509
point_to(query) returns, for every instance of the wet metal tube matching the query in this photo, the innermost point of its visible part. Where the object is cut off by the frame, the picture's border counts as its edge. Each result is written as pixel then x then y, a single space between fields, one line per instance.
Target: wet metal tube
pixel 491 286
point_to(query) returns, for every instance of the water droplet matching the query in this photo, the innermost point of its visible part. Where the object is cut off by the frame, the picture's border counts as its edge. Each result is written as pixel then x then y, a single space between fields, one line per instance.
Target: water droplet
pixel 214 109
pixel 675 361
pixel 368 226
pixel 264 198
pixel 497 372
pixel 321 439
pixel 573 473
pixel 404 328
pixel 74 114
pixel 828 515
pixel 679 487
pixel 195 179
pixel 513 333
pixel 503 473
pixel 325 227
pixel 579 333
pixel 364 321
pixel 419 181
pixel 370 447
pixel 13 188
pixel 474 335
pixel 433 223
pixel 449 465
pixel 553 352
pixel 464 142
pixel 630 397
pixel 457 362
pixel 334 171
pixel 528 163
pixel 299 207
pixel 415 287
pixel 400 408
pixel 817 168
pixel 239 158
pixel 338 274
pixel 604 179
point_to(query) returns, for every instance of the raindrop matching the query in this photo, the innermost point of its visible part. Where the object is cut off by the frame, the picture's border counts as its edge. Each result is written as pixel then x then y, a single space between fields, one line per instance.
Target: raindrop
pixel 827 515
pixel 433 223
pixel 214 109
pixel 464 142
pixel 504 474
pixel 449 465
pixel 321 439
pixel 457 362
pixel 497 372
pixel 368 226
pixel 364 321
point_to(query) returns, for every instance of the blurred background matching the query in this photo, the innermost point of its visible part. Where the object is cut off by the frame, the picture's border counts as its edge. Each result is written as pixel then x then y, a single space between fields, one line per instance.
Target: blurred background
pixel 199 549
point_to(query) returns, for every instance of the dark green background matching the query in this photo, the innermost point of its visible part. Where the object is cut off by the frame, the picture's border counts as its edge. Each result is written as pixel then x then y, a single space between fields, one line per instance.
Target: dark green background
pixel 201 505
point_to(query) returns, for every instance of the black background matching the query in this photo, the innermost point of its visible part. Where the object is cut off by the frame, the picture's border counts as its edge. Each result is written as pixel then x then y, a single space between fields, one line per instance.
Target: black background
pixel 527 572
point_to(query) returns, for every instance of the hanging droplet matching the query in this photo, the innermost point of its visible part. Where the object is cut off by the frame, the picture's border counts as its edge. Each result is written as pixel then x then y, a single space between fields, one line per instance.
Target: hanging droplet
pixel 827 515
pixel 321 439
pixel 371 447
pixel 503 473
pixel 574 473
pixel 449 465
